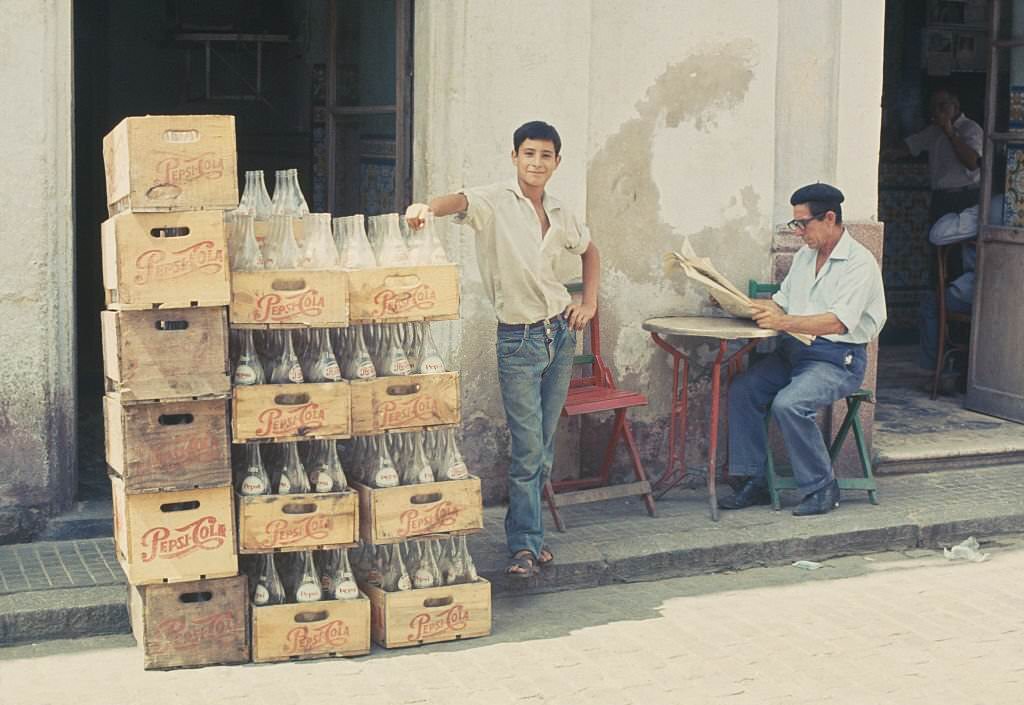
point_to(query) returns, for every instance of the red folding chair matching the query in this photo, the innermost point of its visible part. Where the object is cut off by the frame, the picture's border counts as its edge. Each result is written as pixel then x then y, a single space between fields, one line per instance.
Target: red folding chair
pixel 590 394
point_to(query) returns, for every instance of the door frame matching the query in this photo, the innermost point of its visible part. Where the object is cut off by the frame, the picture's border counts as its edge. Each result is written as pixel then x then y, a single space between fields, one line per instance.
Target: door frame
pixel 401 109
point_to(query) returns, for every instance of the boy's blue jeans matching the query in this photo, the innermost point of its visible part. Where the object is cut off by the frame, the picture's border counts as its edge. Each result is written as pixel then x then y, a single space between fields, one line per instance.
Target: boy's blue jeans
pixel 796 380
pixel 534 367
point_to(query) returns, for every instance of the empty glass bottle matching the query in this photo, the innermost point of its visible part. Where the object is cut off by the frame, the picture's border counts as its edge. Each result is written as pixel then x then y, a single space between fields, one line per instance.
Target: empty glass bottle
pixel 321 365
pixel 267 588
pixel 445 550
pixel 382 473
pixel 287 369
pixel 353 246
pixel 394 363
pixel 418 467
pixel 318 248
pixel 248 367
pixel 325 470
pixel 307 587
pixel 341 584
pixel 449 464
pixel 299 205
pixel 256 480
pixel 280 250
pixel 358 364
pixel 425 572
pixel 395 577
pixel 427 248
pixel 255 199
pixel 243 249
pixel 386 238
pixel 469 566
pixel 428 359
pixel 293 479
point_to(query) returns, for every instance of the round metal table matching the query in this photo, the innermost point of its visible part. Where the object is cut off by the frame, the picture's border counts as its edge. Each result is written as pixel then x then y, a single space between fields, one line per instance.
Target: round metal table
pixel 723 330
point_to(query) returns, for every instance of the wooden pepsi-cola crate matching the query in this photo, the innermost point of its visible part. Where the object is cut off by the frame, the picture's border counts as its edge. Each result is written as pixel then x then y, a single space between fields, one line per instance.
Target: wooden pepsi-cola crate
pixel 165 260
pixel 166 354
pixel 297 522
pixel 160 446
pixel 407 402
pixel 311 630
pixel 289 299
pixel 198 623
pixel 173 537
pixel 396 294
pixel 171 162
pixel 393 514
pixel 291 412
pixel 429 615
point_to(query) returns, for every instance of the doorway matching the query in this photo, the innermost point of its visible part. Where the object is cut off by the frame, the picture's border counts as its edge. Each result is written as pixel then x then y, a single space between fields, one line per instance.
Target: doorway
pixel 929 44
pixel 322 86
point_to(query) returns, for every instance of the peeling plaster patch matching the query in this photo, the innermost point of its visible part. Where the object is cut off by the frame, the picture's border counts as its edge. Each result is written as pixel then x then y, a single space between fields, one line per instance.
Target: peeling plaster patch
pixel 625 214
pixel 633 352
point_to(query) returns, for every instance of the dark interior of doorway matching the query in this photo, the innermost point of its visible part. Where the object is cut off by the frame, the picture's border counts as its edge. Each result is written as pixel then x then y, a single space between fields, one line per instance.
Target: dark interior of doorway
pixel 928 44
pixel 267 62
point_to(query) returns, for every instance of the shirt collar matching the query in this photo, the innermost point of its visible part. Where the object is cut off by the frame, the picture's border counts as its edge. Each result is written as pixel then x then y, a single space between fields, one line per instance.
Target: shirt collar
pixel 549 202
pixel 843 247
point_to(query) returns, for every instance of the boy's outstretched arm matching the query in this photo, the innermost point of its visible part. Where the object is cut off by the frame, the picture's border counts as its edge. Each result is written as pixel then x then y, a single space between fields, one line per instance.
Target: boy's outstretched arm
pixel 416 214
pixel 579 314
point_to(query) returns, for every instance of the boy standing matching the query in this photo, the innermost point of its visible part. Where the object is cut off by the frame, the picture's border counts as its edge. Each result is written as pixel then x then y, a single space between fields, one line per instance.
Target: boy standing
pixel 520 231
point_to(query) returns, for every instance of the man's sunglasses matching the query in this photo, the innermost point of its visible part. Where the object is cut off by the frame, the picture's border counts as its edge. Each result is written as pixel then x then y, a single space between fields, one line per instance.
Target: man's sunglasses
pixel 801 223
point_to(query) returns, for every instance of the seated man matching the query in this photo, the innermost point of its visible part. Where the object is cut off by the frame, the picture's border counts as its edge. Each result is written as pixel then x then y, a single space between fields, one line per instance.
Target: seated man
pixel 833 291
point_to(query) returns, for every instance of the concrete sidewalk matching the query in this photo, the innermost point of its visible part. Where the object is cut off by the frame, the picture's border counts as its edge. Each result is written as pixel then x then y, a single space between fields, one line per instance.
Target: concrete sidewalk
pixel 611 542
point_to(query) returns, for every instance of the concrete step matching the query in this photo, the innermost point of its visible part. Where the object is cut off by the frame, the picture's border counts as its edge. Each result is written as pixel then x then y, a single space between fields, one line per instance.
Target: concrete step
pixel 605 543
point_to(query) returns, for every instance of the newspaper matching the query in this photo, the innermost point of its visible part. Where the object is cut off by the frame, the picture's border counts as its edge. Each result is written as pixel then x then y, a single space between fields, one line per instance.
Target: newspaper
pixel 701 271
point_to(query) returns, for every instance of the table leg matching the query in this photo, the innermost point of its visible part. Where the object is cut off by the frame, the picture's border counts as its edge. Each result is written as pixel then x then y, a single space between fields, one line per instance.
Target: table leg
pixel 716 371
pixel 675 468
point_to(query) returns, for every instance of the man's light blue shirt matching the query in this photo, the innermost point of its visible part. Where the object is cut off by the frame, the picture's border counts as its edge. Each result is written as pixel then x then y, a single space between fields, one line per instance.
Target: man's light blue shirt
pixel 848 285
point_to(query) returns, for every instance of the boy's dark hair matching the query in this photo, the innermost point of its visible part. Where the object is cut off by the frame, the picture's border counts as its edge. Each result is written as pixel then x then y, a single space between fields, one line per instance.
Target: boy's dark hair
pixel 536 130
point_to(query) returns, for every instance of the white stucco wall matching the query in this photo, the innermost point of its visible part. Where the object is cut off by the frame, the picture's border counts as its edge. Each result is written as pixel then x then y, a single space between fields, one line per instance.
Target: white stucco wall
pixel 693 119
pixel 37 377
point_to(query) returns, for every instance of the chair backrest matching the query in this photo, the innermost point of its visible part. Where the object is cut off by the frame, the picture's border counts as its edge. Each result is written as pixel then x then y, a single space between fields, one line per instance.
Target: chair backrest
pixel 600 375
pixel 756 289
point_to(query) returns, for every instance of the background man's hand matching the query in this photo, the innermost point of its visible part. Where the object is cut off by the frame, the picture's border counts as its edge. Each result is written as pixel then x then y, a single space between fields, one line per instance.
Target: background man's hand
pixel 416 215
pixel 579 315
pixel 768 314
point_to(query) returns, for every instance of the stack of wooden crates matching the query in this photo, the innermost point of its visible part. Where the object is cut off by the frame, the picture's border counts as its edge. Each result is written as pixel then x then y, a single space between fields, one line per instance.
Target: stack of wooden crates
pixel 165 345
pixel 292 301
pixel 178 525
pixel 386 405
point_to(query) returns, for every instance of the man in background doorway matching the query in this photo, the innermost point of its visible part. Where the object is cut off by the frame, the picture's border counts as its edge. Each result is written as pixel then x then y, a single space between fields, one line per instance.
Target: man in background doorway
pixel 954 144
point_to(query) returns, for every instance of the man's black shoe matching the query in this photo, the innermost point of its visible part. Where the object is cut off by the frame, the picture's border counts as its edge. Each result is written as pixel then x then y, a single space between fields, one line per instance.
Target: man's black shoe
pixel 754 492
pixel 821 502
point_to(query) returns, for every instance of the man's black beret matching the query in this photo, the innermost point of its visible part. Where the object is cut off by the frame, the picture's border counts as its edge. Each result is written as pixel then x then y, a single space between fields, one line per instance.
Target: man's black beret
pixel 822 193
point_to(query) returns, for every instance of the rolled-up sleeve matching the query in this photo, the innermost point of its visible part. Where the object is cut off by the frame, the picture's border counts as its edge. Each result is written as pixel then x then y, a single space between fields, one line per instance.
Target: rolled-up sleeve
pixel 577 237
pixel 857 288
pixel 480 211
pixel 781 297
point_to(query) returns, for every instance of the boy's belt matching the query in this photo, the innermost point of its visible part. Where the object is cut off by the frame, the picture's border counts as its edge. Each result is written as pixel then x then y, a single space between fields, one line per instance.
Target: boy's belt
pixel 545 322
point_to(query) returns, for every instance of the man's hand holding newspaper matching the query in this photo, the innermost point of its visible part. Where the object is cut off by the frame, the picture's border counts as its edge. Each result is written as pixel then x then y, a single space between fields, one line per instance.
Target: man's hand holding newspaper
pixel 766 313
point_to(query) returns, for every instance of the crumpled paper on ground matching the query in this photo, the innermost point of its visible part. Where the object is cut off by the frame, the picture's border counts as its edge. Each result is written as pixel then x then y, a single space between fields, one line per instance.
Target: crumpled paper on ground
pixel 966 550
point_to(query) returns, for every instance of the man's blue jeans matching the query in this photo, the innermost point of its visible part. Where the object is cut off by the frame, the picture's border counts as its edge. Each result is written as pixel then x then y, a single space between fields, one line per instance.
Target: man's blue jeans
pixel 534 367
pixel 796 380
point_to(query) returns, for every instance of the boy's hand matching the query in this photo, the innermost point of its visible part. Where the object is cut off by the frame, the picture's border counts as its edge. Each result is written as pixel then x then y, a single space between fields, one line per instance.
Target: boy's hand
pixel 416 215
pixel 579 315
